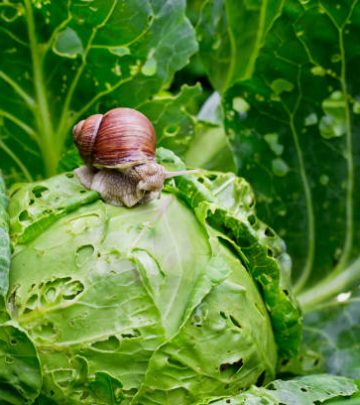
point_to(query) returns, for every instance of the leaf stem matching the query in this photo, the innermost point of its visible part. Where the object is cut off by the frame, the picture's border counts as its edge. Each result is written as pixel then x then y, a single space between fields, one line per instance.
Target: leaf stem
pixel 330 286
pixel 41 113
pixel 350 164
pixel 308 199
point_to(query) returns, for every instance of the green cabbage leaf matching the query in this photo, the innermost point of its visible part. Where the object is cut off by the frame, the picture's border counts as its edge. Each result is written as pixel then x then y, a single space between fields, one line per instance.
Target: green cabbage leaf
pixel 192 288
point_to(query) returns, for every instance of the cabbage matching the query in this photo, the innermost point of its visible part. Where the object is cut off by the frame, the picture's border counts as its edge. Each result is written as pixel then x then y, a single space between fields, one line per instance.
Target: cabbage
pixel 179 301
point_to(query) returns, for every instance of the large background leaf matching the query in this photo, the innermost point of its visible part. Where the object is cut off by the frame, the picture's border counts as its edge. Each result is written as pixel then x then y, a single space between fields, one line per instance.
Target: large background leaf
pixel 231 34
pixel 65 59
pixel 333 334
pixel 294 127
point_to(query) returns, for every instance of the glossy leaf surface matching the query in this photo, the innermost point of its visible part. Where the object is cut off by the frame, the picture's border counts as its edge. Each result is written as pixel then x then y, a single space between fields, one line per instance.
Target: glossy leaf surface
pixel 294 129
pixel 63 60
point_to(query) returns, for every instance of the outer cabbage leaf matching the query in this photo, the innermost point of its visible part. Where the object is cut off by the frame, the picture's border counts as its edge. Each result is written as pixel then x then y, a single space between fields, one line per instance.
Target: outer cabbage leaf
pixel 294 127
pixel 20 371
pixel 231 34
pixel 126 291
pixel 226 204
pixel 62 60
pixel 308 390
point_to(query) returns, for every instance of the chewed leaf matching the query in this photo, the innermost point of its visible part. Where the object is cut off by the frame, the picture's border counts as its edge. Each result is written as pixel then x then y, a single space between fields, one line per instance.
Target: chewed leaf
pixel 297 142
pixel 17 354
pixel 226 204
pixel 309 390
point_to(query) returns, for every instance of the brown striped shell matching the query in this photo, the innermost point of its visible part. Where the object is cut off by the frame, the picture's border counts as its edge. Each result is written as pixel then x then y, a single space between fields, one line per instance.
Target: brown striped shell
pixel 120 138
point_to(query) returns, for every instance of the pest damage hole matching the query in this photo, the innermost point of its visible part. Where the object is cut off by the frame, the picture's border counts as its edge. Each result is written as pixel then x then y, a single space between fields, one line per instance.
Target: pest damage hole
pixel 39 190
pixel 269 232
pixel 111 344
pixel 131 334
pixel 251 219
pixel 233 367
pixel 24 216
pixel 235 321
pixel 261 379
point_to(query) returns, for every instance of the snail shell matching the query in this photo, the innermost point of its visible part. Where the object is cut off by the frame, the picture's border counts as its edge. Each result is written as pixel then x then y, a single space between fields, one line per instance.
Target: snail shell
pixel 119 151
pixel 121 138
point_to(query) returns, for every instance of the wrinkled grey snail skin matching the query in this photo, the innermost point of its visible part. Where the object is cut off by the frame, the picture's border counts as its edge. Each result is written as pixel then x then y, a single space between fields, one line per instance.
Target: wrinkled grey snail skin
pixel 119 151
pixel 134 185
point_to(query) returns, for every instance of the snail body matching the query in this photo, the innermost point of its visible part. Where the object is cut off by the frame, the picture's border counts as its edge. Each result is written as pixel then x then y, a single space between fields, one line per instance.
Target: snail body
pixel 118 149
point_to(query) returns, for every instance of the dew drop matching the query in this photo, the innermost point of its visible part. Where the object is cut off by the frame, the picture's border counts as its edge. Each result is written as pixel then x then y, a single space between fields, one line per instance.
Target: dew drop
pixel 240 105
pixel 279 167
pixel 318 71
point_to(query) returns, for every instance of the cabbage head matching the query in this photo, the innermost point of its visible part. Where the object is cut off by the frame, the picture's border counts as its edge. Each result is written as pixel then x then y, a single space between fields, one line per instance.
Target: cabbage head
pixel 179 301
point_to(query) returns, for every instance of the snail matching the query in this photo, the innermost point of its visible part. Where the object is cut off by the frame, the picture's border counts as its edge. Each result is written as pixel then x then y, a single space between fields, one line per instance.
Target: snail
pixel 118 149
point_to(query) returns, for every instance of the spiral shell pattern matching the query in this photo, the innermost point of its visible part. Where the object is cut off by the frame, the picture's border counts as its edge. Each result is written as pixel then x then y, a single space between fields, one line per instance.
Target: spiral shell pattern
pixel 118 138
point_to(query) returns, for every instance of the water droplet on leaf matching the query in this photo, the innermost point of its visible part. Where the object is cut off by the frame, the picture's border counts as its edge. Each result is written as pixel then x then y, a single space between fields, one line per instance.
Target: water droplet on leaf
pixel 333 123
pixel 281 85
pixel 240 105
pixel 119 50
pixel 279 167
pixel 311 119
pixel 273 142
pixel 318 71
pixel 324 180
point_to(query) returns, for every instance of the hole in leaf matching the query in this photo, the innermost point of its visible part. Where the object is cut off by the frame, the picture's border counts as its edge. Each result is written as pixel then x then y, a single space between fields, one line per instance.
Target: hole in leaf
pixel 284 362
pixel 233 367
pixel 69 175
pixel 83 254
pixel 73 289
pixel 270 253
pixel 261 379
pixel 111 344
pixel 235 321
pixel 212 177
pixel 223 315
pixel 269 232
pixel 13 341
pixel 32 300
pixel 24 216
pixel 252 219
pixel 286 292
pixel 39 190
pixel 131 334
